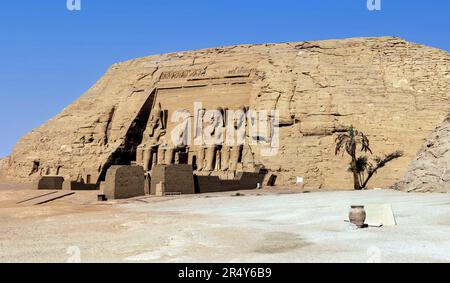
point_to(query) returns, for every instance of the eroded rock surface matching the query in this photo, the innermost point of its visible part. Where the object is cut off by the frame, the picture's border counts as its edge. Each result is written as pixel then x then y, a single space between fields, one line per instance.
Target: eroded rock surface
pixel 395 91
pixel 430 169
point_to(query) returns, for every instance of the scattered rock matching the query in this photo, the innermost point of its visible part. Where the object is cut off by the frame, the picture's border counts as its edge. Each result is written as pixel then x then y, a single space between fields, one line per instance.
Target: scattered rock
pixel 430 169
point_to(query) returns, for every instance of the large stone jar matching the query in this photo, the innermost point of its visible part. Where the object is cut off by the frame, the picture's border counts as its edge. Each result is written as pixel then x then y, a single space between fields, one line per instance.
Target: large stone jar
pixel 357 215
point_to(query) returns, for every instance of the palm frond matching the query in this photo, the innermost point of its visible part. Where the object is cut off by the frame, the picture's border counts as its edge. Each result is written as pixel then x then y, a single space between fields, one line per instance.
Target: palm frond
pixel 381 162
pixel 361 164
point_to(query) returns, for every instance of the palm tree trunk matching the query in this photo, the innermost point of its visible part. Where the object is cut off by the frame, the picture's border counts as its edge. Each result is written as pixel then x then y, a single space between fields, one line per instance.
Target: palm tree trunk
pixel 356 183
pixel 370 176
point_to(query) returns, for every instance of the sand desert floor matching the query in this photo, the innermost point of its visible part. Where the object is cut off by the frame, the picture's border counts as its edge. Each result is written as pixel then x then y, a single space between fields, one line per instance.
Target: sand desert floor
pixel 269 225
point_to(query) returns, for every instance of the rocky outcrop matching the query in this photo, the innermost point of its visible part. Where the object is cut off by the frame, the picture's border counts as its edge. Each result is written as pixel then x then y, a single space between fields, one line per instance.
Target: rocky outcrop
pixel 430 169
pixel 395 91
pixel 2 161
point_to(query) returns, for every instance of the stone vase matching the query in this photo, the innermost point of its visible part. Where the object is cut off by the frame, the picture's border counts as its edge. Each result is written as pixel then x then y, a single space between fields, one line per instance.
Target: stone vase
pixel 357 215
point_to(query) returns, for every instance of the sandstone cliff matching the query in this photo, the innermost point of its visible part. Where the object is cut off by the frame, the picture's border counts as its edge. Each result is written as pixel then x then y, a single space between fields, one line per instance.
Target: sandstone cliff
pixel 430 169
pixel 395 91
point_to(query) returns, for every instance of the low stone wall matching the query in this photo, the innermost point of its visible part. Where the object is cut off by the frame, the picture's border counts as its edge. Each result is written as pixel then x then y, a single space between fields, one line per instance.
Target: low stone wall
pixel 124 182
pixel 213 184
pixel 78 186
pixel 177 178
pixel 180 179
pixel 50 183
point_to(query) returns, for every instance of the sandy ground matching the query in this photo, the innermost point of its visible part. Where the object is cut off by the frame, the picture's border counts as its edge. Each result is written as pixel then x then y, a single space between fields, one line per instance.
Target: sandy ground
pixel 260 226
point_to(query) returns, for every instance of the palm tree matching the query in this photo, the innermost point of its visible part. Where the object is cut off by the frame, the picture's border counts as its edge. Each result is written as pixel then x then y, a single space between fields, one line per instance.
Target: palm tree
pixel 372 169
pixel 349 141
pixel 360 166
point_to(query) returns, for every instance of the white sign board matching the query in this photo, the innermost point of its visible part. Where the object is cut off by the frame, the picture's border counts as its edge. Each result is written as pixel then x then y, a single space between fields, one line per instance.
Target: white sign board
pixel 380 214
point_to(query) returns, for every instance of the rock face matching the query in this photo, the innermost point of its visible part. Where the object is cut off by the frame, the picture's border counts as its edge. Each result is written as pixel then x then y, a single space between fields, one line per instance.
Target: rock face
pixel 395 91
pixel 430 170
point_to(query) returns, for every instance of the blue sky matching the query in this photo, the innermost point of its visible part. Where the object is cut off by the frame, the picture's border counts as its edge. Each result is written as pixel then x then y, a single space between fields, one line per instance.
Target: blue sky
pixel 49 56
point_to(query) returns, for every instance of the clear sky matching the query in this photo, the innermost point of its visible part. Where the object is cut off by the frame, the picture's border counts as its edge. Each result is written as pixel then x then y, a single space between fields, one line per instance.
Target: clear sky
pixel 49 56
